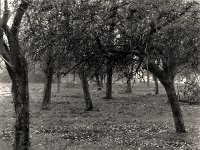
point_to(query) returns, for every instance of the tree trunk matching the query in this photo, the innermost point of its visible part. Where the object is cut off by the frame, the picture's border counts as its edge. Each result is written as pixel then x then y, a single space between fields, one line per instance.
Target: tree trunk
pixel 156 85
pixel 99 86
pixel 74 78
pixel 148 79
pixel 58 77
pixel 18 72
pixel 109 81
pixel 167 80
pixel 129 87
pixel 102 77
pixel 20 94
pixel 176 110
pixel 48 83
pixel 85 86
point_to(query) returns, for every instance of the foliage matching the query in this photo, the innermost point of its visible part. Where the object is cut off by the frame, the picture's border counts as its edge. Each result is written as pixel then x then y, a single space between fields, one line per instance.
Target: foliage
pixel 189 92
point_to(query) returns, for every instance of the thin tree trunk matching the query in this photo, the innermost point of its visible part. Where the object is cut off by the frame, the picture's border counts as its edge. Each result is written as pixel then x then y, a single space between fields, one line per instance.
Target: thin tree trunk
pixel 129 87
pixel 102 79
pixel 156 85
pixel 48 84
pixel 109 81
pixel 176 110
pixel 74 78
pixel 85 86
pixel 99 85
pixel 58 77
pixel 148 79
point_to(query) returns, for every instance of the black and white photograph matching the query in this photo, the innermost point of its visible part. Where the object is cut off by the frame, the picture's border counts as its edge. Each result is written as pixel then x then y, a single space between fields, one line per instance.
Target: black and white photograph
pixel 99 74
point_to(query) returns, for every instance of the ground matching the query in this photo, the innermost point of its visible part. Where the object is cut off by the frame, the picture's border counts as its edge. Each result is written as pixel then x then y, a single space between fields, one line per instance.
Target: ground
pixel 138 121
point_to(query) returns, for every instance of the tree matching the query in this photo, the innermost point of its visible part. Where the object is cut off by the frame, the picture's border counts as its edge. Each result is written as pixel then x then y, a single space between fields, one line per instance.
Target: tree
pixel 17 68
pixel 162 41
pixel 49 71
pixel 156 85
pixel 152 29
pixel 85 86
pixel 109 73
pixel 47 34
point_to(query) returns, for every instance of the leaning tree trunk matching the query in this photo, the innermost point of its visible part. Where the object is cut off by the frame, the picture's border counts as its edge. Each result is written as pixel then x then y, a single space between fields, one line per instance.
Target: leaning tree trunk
pixel 176 110
pixel 109 80
pixel 156 85
pixel 167 80
pixel 48 83
pixel 128 88
pixel 85 86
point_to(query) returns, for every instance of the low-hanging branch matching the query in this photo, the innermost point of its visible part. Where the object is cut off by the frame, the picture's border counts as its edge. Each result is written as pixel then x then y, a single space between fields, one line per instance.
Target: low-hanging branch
pixel 83 60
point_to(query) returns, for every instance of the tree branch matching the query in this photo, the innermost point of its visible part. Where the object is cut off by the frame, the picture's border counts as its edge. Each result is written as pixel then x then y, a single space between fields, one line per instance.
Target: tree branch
pixel 18 17
pixel 155 28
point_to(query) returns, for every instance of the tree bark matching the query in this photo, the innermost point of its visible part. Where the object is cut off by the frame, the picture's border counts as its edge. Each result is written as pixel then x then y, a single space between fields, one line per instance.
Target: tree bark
pixel 21 102
pixel 17 68
pixel 74 78
pixel 20 94
pixel 102 77
pixel 58 77
pixel 85 86
pixel 129 87
pixel 176 110
pixel 109 80
pixel 99 85
pixel 48 83
pixel 148 85
pixel 167 79
pixel 156 85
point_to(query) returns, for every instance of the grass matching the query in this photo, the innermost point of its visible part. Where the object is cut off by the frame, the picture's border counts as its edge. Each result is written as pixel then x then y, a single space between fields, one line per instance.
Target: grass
pixel 140 121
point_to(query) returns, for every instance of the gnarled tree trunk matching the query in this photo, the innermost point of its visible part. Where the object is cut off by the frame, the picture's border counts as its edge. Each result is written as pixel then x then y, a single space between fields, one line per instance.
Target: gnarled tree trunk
pixel 48 83
pixel 85 86
pixel 20 94
pixel 17 68
pixel 18 72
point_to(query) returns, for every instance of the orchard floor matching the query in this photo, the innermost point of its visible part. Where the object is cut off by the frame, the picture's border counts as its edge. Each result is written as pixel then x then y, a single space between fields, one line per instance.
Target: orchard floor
pixel 138 121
